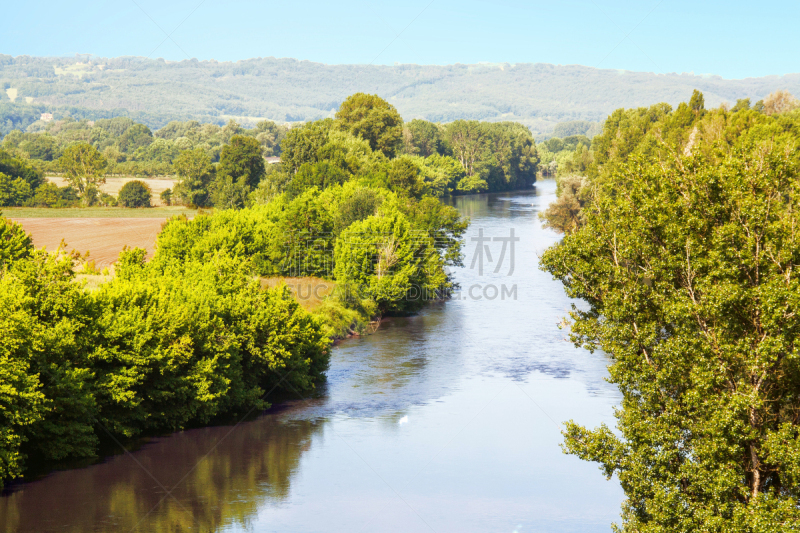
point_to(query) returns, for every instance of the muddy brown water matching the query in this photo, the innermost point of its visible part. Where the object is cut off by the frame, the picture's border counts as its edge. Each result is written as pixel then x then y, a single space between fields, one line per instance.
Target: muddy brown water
pixel 448 421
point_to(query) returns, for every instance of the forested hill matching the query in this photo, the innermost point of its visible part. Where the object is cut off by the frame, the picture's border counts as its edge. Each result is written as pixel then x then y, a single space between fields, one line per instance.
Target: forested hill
pixel 154 91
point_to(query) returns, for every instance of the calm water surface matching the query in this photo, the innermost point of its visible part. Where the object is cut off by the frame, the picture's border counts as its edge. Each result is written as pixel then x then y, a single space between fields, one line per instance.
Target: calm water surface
pixel 447 422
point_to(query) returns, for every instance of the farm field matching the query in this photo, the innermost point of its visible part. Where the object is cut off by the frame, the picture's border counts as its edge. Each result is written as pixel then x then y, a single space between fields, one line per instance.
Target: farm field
pixel 113 185
pixel 103 238
pixel 96 212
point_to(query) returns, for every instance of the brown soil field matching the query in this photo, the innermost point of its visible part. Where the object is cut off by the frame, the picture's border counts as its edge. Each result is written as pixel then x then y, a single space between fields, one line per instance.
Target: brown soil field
pixel 103 238
pixel 113 185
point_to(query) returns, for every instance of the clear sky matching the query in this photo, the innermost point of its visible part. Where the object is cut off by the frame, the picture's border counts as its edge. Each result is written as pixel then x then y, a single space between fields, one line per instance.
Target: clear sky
pixel 734 39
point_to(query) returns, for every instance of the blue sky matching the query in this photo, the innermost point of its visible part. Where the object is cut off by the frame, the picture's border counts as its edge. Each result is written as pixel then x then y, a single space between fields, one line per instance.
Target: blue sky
pixel 733 39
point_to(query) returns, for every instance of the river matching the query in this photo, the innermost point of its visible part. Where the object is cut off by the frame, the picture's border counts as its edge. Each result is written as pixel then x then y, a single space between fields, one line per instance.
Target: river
pixel 447 421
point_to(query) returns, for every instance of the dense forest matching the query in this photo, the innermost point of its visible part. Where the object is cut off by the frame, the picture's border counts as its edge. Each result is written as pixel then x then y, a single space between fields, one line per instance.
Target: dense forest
pixel 155 92
pixel 681 235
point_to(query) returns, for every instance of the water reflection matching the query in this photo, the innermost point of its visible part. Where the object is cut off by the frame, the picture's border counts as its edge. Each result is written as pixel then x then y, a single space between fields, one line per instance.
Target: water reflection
pixel 217 478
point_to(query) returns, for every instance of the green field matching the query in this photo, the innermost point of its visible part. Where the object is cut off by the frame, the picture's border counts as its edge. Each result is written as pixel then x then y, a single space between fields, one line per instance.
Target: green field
pixel 95 212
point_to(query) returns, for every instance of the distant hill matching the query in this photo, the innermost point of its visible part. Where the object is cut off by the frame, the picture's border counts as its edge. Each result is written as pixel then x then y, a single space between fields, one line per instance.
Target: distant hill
pixel 287 90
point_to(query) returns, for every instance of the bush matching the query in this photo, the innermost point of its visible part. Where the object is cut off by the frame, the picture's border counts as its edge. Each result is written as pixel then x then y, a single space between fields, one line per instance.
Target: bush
pixel 106 200
pixel 15 244
pixel 134 194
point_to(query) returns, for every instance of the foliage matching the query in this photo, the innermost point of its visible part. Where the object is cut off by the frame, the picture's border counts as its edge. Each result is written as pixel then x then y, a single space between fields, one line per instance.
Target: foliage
pixel 373 119
pixel 321 174
pixel 135 194
pixel 17 168
pixel 157 348
pixel 566 213
pixel 195 172
pixel 84 167
pixel 682 245
pixel 495 156
pixel 241 160
pixel 388 262
pixel 424 138
pixel 780 102
pixel 15 244
pixel 166 196
pixel 13 191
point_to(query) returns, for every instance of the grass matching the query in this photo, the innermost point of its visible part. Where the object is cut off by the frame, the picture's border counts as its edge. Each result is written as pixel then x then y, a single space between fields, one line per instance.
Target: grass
pixel 95 212
pixel 309 292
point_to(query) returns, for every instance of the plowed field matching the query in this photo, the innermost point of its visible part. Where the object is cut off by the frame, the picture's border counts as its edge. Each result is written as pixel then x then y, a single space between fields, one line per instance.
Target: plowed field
pixel 104 238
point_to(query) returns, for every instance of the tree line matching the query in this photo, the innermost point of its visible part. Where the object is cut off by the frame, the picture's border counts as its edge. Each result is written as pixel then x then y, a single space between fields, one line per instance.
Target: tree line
pixel 681 235
pixel 225 167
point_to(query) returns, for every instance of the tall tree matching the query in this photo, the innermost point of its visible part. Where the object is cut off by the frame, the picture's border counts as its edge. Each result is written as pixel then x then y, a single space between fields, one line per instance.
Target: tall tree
pixel 780 102
pixel 84 167
pixel 194 169
pixel 687 265
pixel 241 160
pixel 373 119
pixel 425 138
pixel 697 102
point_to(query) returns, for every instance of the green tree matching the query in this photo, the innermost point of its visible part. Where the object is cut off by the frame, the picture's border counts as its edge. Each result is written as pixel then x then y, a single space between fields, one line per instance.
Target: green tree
pixel 15 244
pixel 321 175
pixel 469 143
pixel 48 195
pixel 687 267
pixel 373 119
pixel 135 137
pixel 227 193
pixel 384 259
pixel 742 103
pixel 404 177
pixel 195 171
pixel 17 168
pixel 241 160
pixel 166 196
pixel 13 191
pixel 302 145
pixel 135 194
pixel 425 138
pixel 84 168
pixel 697 102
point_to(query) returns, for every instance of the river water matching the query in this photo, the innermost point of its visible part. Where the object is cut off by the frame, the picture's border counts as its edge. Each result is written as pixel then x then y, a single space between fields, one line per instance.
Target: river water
pixel 448 421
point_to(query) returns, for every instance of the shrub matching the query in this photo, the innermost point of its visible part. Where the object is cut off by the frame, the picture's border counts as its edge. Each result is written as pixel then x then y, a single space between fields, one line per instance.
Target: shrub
pixel 134 194
pixel 15 244
pixel 106 200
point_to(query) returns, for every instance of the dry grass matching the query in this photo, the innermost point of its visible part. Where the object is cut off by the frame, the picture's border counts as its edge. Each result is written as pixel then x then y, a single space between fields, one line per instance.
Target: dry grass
pixel 309 292
pixel 113 185
pixel 93 282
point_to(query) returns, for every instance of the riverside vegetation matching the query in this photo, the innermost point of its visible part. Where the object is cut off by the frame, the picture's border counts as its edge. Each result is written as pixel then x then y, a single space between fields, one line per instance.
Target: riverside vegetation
pixel 681 235
pixel 190 336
